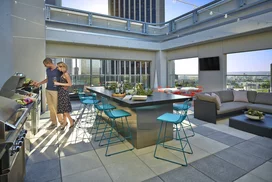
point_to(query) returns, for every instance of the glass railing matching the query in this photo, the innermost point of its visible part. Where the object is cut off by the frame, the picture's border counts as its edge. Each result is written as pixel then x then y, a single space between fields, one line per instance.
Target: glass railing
pixel 259 83
pixel 198 16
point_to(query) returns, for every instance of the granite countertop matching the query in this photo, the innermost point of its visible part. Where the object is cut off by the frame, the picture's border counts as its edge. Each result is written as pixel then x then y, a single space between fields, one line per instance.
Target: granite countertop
pixel 155 99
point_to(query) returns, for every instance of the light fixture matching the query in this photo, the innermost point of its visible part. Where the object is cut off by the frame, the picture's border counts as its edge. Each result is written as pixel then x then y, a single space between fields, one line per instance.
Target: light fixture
pixel 226 16
pixel 238 19
pixel 211 13
pixel 15 2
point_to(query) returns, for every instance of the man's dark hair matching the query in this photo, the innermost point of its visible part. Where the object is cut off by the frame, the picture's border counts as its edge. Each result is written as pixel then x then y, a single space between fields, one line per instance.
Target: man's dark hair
pixel 47 60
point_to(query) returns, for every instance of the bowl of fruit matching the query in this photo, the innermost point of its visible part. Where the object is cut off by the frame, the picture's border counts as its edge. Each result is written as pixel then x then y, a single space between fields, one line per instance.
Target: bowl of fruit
pixel 254 114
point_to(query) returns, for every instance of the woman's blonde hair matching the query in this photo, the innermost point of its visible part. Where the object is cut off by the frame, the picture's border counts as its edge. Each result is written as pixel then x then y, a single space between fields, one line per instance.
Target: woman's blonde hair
pixel 62 64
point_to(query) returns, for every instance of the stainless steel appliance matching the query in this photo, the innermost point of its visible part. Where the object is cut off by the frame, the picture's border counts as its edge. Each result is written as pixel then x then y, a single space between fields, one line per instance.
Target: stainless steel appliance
pixel 12 133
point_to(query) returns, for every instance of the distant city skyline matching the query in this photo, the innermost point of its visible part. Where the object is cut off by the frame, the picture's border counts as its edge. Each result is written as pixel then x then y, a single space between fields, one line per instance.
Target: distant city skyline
pixel 239 62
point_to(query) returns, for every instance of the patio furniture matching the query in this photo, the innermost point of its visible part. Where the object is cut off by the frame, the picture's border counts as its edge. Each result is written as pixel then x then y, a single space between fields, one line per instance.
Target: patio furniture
pixel 208 109
pixel 113 115
pixel 179 108
pixel 173 119
pixel 262 127
pixel 99 119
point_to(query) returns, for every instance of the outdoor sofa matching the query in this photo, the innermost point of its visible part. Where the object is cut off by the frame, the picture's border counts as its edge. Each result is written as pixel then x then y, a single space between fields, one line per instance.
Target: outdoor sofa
pixel 210 106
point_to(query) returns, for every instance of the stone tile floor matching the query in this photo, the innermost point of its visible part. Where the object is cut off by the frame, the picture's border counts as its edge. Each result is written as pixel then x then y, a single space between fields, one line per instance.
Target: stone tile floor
pixel 220 153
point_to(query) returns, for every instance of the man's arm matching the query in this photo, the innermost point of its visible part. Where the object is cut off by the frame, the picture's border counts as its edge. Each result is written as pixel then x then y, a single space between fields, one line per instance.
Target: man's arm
pixel 37 84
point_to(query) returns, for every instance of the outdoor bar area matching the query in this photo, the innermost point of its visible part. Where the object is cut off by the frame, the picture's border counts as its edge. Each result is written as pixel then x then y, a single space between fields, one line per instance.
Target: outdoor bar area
pixel 143 120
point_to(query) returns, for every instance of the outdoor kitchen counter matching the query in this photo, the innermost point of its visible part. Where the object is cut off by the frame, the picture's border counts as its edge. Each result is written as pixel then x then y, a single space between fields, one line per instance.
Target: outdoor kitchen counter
pixel 143 119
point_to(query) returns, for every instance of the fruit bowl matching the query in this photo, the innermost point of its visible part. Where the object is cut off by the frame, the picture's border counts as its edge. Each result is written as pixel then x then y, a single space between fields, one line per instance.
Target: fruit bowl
pixel 254 117
pixel 254 114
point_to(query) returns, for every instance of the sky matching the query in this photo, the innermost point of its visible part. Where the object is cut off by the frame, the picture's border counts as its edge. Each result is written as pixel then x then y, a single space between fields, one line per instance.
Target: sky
pixel 239 62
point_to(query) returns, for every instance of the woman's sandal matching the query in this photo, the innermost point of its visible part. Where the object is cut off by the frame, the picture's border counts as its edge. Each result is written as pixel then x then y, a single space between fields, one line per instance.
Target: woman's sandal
pixel 62 127
pixel 73 124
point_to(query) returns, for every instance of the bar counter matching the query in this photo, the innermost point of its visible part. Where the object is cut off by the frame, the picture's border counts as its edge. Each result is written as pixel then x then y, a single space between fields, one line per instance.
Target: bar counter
pixel 143 119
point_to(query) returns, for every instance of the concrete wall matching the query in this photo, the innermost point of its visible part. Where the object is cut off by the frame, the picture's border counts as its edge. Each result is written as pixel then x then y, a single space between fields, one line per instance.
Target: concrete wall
pixel 6 43
pixel 29 38
pixel 22 39
pixel 216 80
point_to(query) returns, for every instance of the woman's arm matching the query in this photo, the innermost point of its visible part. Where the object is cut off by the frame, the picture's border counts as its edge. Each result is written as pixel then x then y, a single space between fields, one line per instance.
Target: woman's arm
pixel 68 79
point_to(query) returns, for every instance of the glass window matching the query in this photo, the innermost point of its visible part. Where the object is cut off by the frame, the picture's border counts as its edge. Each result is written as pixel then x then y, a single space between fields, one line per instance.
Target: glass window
pixel 147 11
pixel 185 73
pixel 132 9
pixel 245 71
pixel 142 10
pixel 127 9
pixel 122 8
pixel 137 10
pixel 153 11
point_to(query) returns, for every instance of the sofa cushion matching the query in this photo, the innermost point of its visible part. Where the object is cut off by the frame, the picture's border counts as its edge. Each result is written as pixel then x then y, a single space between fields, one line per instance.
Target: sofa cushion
pixel 261 107
pixel 226 96
pixel 208 98
pixel 217 98
pixel 240 96
pixel 251 96
pixel 264 98
pixel 228 107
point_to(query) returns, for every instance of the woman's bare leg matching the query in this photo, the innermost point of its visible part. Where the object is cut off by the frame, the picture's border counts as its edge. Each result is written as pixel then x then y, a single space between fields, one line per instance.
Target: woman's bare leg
pixel 69 118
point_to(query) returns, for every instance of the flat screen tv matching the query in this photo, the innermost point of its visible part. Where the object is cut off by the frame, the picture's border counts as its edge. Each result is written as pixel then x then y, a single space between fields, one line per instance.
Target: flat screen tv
pixel 209 64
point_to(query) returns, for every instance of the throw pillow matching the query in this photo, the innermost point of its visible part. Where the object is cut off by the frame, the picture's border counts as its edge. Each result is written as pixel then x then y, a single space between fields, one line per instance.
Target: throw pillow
pixel 240 96
pixel 217 99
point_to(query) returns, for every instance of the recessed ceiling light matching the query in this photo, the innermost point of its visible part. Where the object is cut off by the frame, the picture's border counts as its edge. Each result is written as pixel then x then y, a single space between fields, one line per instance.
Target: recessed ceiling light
pixel 226 16
pixel 211 13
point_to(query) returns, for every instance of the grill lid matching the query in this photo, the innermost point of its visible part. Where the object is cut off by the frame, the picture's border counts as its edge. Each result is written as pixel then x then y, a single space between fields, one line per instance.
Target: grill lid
pixel 11 85
pixel 8 108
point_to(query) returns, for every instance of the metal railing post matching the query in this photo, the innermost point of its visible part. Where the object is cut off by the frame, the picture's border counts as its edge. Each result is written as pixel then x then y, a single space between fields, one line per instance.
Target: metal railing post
pixel 90 19
pixel 128 25
pixel 47 13
pixel 241 3
pixel 195 17
pixel 144 28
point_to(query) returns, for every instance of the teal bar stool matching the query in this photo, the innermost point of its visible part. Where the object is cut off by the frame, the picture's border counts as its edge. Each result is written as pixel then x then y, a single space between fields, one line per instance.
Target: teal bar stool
pixel 173 119
pixel 112 116
pixel 88 103
pixel 178 108
pixel 99 119
pixel 82 107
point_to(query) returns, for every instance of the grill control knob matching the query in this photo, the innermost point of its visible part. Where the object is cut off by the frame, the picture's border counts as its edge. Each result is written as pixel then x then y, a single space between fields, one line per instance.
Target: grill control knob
pixel 14 150
pixel 19 143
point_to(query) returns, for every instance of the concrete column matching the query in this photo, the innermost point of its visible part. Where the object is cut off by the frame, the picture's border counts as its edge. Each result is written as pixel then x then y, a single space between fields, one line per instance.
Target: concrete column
pixel 161 67
pixel 171 71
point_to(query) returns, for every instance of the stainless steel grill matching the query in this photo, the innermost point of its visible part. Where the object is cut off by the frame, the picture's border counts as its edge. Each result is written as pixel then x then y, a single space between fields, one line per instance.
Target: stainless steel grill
pixel 12 133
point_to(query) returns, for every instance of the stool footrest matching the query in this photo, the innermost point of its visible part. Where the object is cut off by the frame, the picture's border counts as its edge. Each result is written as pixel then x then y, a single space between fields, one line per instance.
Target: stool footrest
pixel 178 163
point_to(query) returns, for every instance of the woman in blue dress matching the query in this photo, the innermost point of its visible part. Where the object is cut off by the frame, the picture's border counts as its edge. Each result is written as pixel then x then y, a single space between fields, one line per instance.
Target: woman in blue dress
pixel 64 104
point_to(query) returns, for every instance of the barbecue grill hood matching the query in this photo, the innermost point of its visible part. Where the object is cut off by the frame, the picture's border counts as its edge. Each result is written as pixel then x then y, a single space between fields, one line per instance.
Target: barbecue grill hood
pixel 10 86
pixel 8 108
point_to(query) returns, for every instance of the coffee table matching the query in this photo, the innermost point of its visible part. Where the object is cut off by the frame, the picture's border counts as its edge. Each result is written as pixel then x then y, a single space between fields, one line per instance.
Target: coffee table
pixel 262 128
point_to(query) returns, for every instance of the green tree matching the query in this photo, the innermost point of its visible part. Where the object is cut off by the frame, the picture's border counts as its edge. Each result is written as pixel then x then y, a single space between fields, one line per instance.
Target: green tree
pixel 265 85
